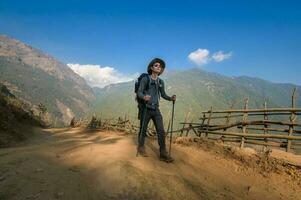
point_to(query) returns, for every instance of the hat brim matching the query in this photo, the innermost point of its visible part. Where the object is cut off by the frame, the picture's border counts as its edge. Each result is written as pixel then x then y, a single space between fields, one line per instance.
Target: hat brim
pixel 156 60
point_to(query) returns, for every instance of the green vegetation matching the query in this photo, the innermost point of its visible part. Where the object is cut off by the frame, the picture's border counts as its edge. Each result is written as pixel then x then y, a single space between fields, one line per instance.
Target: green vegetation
pixel 36 86
pixel 196 91
pixel 41 80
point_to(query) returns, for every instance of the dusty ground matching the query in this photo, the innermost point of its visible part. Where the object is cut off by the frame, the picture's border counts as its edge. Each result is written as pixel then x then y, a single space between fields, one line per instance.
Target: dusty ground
pixel 74 164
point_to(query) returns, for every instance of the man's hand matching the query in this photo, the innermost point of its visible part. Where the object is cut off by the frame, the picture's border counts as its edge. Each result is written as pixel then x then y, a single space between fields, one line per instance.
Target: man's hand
pixel 174 97
pixel 146 97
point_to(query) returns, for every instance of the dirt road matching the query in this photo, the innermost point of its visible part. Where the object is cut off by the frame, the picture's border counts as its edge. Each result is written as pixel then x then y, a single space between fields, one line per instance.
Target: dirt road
pixel 75 164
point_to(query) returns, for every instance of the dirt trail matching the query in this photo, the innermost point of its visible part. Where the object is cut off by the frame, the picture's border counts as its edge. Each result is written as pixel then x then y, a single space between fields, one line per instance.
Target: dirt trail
pixel 74 164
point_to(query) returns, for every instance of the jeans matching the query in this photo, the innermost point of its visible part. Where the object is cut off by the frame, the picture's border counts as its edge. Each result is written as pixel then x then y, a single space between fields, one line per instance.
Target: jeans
pixel 156 116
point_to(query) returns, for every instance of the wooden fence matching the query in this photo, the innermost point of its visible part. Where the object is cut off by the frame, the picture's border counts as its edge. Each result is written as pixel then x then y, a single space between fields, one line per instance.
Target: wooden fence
pixel 269 127
pixel 122 124
pixel 275 127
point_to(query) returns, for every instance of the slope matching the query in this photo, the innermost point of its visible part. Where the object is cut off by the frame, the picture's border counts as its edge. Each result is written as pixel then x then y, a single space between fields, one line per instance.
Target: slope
pixel 39 78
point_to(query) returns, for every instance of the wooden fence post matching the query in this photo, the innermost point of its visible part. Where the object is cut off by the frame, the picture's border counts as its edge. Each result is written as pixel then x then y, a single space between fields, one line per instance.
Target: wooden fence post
pixel 229 115
pixel 265 117
pixel 292 120
pixel 124 124
pixel 208 121
pixel 244 120
pixel 188 130
pixel 185 120
pixel 202 124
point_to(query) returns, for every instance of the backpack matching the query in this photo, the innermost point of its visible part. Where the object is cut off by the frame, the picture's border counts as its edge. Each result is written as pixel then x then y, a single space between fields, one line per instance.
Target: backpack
pixel 140 101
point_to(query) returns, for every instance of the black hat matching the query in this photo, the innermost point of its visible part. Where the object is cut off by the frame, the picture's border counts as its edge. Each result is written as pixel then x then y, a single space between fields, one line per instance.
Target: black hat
pixel 156 60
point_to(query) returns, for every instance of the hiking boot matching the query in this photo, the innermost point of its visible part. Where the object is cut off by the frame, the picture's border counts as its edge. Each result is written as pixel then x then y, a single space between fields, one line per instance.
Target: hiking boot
pixel 142 152
pixel 164 156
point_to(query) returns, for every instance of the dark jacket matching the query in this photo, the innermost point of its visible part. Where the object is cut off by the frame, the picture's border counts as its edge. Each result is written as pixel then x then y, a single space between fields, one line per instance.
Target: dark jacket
pixel 156 89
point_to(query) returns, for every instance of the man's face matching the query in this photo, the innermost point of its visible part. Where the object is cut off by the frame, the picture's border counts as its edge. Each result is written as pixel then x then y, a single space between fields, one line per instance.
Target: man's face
pixel 157 67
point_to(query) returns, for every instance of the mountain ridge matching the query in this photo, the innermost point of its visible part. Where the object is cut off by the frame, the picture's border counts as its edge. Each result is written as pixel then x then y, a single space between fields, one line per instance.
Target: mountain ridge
pixel 197 90
pixel 36 78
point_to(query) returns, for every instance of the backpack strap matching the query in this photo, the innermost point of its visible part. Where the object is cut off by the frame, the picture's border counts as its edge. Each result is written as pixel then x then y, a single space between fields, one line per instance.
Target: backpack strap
pixel 148 82
pixel 159 86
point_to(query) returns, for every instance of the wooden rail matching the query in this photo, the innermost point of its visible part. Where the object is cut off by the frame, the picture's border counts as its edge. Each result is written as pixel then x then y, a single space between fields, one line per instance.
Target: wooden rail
pixel 122 124
pixel 244 129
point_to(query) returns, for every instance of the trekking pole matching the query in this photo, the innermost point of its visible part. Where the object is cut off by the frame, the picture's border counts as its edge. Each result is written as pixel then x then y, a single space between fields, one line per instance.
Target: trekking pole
pixel 141 127
pixel 171 127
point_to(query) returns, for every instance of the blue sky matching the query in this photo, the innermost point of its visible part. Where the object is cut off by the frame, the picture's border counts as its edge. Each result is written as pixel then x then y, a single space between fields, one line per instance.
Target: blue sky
pixel 258 38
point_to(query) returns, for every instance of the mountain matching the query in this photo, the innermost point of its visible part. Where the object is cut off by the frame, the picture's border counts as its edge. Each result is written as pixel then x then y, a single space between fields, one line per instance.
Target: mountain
pixel 38 78
pixel 197 90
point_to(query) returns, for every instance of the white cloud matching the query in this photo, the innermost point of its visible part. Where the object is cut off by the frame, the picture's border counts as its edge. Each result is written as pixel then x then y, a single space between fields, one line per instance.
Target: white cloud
pixel 220 56
pixel 97 76
pixel 200 56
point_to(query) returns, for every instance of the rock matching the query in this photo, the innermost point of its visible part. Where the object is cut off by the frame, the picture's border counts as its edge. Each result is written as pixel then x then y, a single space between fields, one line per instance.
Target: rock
pixel 2 178
pixel 59 195
pixel 74 169
pixel 39 170
pixel 33 196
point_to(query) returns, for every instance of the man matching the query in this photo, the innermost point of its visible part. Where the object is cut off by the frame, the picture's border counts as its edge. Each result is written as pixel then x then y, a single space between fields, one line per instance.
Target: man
pixel 150 90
